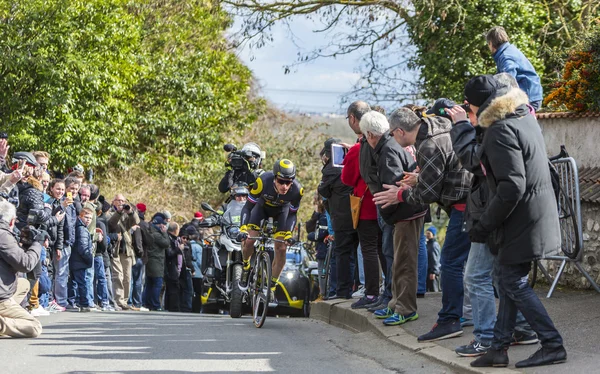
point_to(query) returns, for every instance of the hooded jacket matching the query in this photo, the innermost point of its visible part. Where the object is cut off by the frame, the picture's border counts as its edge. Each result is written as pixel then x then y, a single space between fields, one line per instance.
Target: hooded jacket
pixel 338 197
pixel 442 178
pixel 156 244
pixel 55 228
pixel 392 161
pixel 521 216
pixel 82 256
pixel 13 260
pixel 31 198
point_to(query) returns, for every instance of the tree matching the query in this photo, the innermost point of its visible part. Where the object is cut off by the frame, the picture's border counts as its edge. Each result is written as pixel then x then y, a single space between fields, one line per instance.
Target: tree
pixel 423 48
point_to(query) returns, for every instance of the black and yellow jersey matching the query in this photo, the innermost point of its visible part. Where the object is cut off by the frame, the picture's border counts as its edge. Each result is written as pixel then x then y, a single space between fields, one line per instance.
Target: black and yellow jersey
pixel 264 189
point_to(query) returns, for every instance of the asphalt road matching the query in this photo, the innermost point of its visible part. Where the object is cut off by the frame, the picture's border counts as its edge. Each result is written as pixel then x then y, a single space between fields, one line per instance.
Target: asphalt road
pixel 138 342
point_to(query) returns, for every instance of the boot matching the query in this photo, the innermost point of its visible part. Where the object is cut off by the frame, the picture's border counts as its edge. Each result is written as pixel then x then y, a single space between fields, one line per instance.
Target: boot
pixel 492 358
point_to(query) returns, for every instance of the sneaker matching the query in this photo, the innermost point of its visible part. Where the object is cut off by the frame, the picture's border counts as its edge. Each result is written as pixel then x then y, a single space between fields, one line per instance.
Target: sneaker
pixel 71 307
pixel 85 309
pixel 492 358
pixel 54 307
pixel 442 331
pixel 464 322
pixel 381 303
pixel 94 308
pixel 472 349
pixel 134 308
pixel 363 302
pixel 397 319
pixel 125 307
pixel 108 308
pixel 360 292
pixel 144 309
pixel 523 338
pixel 39 312
pixel 383 313
pixel 544 356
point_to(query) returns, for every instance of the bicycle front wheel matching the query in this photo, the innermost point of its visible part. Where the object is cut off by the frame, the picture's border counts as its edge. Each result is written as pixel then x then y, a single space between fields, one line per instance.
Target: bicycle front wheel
pixel 262 289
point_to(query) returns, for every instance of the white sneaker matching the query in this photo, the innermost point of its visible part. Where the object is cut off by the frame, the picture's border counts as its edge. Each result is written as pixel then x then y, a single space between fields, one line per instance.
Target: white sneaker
pixel 144 309
pixel 360 292
pixel 39 311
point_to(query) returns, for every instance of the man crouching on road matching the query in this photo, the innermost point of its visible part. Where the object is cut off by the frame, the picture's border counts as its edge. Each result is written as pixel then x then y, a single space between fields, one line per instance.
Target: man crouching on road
pixel 14 320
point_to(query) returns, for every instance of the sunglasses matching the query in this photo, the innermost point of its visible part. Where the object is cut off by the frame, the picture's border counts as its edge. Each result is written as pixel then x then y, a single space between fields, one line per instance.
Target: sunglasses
pixel 285 182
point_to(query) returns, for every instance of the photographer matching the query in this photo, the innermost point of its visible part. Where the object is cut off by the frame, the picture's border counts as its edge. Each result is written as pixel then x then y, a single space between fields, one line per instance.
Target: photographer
pixel 244 166
pixel 14 320
pixel 31 195
pixel 121 218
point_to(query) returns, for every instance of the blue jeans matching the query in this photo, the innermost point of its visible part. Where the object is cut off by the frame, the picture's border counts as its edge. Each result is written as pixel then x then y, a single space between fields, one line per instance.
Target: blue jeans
pixel 387 247
pixel 61 277
pixel 453 257
pixel 89 273
pixel 422 264
pixel 138 271
pixel 152 292
pixel 186 291
pixel 515 294
pixel 100 281
pixel 479 286
pixel 81 279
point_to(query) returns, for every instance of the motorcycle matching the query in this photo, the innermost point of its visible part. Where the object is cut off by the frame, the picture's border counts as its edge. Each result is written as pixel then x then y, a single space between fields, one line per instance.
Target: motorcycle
pixel 224 265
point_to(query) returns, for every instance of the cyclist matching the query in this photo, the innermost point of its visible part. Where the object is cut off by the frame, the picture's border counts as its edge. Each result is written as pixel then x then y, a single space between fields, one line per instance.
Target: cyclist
pixel 276 194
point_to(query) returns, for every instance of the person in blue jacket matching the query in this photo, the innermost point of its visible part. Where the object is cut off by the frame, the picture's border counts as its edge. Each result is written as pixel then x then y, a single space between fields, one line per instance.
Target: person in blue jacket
pixel 509 59
pixel 82 258
pixel 318 231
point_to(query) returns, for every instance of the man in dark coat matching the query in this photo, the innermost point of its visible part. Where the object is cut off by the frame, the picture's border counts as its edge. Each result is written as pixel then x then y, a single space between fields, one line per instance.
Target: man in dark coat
pixel 520 221
pixel 338 206
pixel 156 243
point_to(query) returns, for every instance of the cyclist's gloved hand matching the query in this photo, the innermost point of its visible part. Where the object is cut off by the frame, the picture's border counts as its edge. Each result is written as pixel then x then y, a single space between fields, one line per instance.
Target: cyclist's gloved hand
pixel 289 239
pixel 243 234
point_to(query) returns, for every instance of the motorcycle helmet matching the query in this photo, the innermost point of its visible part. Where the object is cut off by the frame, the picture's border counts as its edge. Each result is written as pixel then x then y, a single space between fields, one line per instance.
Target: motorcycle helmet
pixel 252 149
pixel 285 169
pixel 239 189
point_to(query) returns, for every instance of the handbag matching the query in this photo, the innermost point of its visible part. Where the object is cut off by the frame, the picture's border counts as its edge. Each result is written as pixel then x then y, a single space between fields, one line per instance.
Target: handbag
pixel 355 204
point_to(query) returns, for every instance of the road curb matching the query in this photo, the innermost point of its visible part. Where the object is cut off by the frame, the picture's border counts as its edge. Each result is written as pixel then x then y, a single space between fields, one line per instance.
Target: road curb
pixel 338 313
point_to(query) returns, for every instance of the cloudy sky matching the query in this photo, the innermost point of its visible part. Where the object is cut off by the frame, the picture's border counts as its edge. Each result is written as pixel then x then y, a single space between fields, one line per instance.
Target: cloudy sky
pixel 312 87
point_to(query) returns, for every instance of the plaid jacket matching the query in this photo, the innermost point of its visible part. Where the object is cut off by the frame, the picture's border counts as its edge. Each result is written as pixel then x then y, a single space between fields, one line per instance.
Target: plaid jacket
pixel 442 179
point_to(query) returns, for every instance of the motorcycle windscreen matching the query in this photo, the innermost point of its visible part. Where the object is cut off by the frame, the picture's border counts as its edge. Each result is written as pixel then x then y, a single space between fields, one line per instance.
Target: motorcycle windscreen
pixel 232 215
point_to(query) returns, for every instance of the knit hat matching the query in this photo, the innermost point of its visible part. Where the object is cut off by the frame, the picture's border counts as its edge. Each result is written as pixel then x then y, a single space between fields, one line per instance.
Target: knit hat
pixel 440 106
pixel 480 88
pixel 166 214
pixel 198 215
pixel 141 207
pixel 432 230
pixel 159 219
pixel 191 231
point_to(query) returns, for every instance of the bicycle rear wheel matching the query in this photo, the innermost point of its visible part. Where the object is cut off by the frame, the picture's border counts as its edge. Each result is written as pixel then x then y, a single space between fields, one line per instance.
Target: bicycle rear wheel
pixel 262 289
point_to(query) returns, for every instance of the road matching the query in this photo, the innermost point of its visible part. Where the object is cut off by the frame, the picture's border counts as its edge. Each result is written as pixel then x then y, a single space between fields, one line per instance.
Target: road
pixel 138 342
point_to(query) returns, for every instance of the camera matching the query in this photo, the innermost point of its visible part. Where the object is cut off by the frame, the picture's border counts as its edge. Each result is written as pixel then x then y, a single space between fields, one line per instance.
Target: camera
pixel 3 135
pixel 30 234
pixel 126 207
pixel 34 217
pixel 466 107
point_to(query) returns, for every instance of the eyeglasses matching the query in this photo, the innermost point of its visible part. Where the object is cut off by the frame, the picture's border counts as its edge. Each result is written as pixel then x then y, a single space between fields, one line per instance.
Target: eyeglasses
pixel 285 182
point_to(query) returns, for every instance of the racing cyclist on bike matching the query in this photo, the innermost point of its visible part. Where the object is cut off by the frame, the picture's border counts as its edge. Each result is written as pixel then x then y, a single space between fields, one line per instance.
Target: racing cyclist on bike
pixel 276 194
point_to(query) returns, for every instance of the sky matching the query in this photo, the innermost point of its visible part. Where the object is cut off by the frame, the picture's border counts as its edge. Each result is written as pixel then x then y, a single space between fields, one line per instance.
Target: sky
pixel 313 87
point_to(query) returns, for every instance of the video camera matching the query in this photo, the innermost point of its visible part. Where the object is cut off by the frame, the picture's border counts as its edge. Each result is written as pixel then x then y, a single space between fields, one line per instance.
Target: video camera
pixel 30 234
pixel 34 217
pixel 240 159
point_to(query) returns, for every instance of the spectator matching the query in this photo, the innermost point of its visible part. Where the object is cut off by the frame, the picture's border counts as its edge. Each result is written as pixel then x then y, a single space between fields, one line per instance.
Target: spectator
pixel 519 220
pixel 31 195
pixel 338 202
pixel 14 320
pixel 198 218
pixel 100 280
pixel 441 179
pixel 186 284
pixel 82 259
pixel 174 264
pixel 509 59
pixel 167 215
pixel 121 219
pixel 43 159
pixel 433 257
pixel 111 240
pixel 138 271
pixel 55 229
pixel 392 163
pixel 197 276
pixel 156 242
pixel 45 182
pixel 62 259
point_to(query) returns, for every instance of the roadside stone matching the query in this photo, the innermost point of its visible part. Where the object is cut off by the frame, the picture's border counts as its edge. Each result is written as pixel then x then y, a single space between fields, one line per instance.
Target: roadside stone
pixel 596 226
pixel 590 224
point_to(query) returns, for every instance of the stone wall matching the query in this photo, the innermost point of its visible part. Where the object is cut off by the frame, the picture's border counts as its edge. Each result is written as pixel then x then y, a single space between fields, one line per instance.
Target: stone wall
pixel 581 136
pixel 572 277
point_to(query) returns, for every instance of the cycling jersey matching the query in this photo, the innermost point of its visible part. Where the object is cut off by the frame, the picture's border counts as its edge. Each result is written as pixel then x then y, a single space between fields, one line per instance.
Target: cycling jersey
pixel 264 201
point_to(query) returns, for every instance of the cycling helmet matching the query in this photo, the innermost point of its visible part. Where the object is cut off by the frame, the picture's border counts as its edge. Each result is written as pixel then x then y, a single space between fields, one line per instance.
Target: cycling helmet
pixel 254 150
pixel 284 168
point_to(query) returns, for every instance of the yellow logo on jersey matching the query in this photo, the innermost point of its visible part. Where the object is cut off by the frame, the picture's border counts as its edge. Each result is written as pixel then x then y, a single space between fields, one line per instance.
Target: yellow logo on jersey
pixel 258 186
pixel 301 191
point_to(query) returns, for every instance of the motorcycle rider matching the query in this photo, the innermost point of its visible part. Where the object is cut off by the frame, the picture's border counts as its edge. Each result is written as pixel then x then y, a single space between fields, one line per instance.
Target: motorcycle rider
pixel 276 194
pixel 249 174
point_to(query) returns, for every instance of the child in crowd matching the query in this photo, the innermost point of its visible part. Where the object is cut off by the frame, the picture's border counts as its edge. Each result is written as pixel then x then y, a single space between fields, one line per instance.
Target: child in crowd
pixel 82 258
pixel 433 257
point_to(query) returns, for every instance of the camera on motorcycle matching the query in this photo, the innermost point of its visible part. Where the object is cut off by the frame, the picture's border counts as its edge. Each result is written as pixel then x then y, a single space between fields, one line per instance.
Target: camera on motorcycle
pixel 206 206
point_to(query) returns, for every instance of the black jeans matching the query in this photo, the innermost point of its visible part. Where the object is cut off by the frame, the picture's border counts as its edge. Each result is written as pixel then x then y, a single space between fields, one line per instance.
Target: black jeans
pixel 172 296
pixel 197 301
pixel 346 243
pixel 515 294
pixel 369 235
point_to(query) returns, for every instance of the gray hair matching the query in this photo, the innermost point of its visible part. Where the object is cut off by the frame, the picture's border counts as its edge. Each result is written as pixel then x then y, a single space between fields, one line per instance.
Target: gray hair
pixel 7 211
pixel 404 119
pixel 358 109
pixel 497 36
pixel 375 123
pixel 506 80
